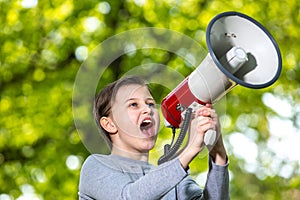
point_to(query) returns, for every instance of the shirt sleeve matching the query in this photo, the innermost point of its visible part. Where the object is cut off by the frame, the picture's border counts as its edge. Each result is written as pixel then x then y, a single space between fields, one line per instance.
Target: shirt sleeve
pixel 189 189
pixel 216 187
pixel 217 184
pixel 98 181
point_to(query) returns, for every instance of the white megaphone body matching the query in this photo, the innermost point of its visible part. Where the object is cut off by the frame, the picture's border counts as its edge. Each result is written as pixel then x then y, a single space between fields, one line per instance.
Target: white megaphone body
pixel 241 51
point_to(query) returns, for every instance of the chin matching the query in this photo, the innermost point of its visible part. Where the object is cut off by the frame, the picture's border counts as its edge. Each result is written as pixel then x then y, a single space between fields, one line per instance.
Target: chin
pixel 149 145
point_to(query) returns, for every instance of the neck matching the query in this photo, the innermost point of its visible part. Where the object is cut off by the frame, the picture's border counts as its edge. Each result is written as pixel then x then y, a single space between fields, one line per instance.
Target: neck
pixel 132 155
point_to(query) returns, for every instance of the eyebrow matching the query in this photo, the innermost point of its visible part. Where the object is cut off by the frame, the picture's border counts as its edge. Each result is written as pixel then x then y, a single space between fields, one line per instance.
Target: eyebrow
pixel 134 99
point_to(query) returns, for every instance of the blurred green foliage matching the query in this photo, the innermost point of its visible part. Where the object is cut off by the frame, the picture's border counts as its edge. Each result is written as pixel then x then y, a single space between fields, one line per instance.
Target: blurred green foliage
pixel 43 44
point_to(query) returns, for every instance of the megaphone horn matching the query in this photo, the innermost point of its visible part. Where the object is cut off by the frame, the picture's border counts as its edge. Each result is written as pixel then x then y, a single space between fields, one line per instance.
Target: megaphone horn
pixel 241 51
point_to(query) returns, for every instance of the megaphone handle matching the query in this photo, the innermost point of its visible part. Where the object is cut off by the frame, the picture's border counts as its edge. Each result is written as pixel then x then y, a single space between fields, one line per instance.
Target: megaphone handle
pixel 210 137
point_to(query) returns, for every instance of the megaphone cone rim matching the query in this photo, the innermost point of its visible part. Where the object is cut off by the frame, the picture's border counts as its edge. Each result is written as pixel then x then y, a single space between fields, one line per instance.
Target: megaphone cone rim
pixel 226 72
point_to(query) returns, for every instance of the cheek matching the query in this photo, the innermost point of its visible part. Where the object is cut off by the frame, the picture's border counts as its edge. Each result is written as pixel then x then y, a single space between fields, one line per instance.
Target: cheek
pixel 126 120
pixel 132 118
pixel 157 119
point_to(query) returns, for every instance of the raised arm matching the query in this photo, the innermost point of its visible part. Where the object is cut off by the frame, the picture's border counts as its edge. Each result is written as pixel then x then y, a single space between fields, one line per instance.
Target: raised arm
pixel 217 184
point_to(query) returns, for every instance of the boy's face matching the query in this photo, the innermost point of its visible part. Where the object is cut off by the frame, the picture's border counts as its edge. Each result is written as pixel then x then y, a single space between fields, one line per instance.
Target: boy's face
pixel 136 117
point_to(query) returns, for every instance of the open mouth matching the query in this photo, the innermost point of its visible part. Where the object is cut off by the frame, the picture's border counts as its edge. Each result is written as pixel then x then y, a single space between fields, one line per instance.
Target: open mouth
pixel 147 123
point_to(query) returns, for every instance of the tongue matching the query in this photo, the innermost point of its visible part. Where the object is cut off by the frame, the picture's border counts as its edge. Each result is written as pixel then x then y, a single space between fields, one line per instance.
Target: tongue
pixel 148 132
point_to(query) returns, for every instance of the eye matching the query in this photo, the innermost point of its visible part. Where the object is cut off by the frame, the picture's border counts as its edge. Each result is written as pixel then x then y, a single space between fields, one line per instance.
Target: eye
pixel 151 104
pixel 133 104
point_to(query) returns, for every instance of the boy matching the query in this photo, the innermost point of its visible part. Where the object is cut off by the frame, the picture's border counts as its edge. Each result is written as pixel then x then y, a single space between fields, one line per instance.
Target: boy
pixel 126 113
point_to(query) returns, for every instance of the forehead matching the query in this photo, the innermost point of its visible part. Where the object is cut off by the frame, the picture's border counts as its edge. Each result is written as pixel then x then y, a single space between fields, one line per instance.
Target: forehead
pixel 131 91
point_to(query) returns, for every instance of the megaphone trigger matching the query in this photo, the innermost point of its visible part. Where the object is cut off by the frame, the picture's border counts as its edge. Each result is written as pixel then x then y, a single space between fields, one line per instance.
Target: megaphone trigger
pixel 194 106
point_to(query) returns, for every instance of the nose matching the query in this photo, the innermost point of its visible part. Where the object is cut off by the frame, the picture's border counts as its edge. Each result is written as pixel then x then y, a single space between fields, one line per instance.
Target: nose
pixel 147 109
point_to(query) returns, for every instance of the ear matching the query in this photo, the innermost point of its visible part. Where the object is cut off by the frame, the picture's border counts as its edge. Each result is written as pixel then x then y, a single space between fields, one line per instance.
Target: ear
pixel 108 124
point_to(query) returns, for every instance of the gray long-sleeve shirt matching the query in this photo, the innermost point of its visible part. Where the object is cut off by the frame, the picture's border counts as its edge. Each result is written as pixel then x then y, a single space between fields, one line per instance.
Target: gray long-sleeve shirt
pixel 111 177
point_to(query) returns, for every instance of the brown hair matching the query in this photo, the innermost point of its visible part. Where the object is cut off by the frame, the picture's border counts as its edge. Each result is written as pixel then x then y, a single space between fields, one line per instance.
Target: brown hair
pixel 106 97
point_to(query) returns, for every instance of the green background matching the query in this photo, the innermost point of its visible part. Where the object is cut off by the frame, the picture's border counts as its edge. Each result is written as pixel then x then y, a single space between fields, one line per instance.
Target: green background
pixel 40 149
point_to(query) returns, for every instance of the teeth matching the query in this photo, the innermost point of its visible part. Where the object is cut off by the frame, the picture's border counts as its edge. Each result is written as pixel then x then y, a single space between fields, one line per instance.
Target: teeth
pixel 147 121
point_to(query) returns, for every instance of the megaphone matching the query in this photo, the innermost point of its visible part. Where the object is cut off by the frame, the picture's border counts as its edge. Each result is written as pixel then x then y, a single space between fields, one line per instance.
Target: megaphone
pixel 241 51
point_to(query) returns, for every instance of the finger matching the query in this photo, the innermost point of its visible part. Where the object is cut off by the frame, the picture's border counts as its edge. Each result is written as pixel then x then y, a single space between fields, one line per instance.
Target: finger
pixel 205 127
pixel 213 114
pixel 205 121
pixel 208 105
pixel 206 112
pixel 201 111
